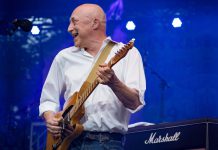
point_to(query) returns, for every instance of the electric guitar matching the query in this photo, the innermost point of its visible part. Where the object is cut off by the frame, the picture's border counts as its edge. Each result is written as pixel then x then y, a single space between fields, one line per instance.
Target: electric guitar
pixel 74 109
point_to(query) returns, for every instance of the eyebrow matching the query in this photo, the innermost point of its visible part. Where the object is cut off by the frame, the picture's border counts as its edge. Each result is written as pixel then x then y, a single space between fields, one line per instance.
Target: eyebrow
pixel 71 19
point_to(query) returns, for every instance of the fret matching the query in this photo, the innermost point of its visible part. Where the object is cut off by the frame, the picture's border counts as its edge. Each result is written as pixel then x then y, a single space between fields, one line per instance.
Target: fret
pixel 89 90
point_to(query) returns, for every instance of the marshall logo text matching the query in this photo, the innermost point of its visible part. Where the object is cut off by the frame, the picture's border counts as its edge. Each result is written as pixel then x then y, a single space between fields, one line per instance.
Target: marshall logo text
pixel 153 139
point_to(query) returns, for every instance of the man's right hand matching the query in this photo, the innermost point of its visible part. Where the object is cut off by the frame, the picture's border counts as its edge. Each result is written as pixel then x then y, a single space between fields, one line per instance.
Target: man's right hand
pixel 52 123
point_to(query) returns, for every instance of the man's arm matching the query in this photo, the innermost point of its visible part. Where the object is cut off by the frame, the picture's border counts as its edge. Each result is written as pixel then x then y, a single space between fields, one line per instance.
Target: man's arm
pixel 128 96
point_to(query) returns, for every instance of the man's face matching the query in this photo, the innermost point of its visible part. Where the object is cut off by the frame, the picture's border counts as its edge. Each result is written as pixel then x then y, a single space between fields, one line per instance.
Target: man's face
pixel 80 27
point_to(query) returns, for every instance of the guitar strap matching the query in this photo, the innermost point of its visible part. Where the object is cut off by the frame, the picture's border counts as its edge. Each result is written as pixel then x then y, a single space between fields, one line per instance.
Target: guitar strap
pixel 101 59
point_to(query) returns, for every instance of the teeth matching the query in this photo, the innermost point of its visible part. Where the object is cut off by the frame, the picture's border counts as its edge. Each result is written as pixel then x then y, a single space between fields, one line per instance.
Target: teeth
pixel 75 34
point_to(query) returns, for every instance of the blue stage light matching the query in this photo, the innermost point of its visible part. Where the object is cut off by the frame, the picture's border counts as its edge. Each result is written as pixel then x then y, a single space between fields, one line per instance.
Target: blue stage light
pixel 130 25
pixel 177 23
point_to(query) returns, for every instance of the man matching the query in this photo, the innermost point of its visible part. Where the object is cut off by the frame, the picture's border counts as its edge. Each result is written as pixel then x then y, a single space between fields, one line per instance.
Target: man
pixel 120 92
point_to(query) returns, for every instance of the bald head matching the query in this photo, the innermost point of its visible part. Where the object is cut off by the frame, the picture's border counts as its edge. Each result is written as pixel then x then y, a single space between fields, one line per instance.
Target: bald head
pixel 87 24
pixel 91 11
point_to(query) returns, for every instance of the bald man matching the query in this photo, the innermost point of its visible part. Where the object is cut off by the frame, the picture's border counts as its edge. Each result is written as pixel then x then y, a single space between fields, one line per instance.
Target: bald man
pixel 119 94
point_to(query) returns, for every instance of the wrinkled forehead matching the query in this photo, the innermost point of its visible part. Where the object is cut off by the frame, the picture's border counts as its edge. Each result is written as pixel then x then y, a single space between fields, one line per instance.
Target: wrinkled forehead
pixel 80 13
pixel 76 14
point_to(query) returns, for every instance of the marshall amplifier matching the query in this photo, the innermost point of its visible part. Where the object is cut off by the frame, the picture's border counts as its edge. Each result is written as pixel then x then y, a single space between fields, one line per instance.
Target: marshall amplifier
pixel 201 134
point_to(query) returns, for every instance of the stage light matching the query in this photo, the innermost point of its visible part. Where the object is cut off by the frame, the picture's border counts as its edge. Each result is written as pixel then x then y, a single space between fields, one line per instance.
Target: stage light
pixel 17 117
pixel 130 25
pixel 35 30
pixel 177 23
pixel 15 109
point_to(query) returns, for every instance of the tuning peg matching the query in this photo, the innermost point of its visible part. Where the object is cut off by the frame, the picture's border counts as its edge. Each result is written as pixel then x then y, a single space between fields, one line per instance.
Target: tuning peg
pixel 132 40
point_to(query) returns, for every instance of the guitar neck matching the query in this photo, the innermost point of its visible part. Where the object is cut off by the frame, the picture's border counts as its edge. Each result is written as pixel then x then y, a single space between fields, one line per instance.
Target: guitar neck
pixel 83 97
pixel 90 88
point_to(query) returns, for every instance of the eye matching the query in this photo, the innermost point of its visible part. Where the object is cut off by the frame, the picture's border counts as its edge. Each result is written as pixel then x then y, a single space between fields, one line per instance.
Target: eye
pixel 75 21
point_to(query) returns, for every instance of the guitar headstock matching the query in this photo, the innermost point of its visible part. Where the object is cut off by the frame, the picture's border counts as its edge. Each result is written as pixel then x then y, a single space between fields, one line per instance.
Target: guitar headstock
pixel 121 52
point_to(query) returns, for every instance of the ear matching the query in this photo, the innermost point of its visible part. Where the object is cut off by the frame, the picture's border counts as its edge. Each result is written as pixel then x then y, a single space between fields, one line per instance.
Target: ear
pixel 95 24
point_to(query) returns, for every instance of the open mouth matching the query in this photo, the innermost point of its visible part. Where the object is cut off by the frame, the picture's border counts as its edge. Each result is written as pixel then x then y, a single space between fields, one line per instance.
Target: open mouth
pixel 75 34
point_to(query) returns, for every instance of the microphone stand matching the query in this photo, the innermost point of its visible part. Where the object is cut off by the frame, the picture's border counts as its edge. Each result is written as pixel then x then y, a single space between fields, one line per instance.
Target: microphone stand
pixel 163 86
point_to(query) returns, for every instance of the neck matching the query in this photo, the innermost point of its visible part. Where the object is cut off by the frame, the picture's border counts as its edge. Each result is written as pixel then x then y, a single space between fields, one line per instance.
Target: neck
pixel 94 45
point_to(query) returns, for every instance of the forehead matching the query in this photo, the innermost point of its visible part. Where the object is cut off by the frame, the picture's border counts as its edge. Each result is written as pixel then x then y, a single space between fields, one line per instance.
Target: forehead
pixel 74 15
pixel 78 15
pixel 84 12
pixel 79 12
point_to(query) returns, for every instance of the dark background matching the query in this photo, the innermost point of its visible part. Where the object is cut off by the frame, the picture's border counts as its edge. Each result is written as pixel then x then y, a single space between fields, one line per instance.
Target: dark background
pixel 180 63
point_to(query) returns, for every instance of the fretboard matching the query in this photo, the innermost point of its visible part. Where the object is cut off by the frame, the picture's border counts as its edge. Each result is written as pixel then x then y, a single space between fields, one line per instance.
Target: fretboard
pixel 90 88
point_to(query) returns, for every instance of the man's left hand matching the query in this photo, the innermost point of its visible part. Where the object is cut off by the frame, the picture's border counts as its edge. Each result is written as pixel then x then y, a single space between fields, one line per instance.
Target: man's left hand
pixel 105 75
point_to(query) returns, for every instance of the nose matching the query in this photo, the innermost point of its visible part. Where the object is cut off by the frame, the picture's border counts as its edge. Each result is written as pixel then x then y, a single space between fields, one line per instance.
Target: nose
pixel 70 27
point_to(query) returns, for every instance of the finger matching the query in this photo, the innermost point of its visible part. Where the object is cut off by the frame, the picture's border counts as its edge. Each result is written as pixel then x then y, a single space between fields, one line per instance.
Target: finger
pixel 57 119
pixel 106 71
pixel 55 128
pixel 56 136
pixel 53 131
pixel 67 132
pixel 103 65
pixel 103 68
pixel 100 80
pixel 106 77
pixel 101 77
pixel 52 124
